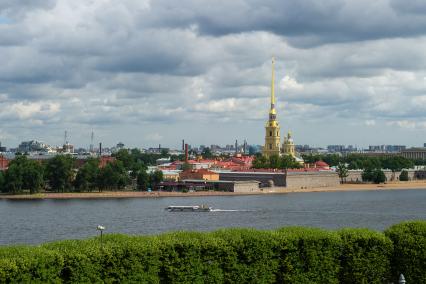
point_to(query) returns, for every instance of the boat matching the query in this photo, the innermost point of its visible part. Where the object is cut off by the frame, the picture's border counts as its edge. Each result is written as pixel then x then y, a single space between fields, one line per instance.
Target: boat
pixel 191 208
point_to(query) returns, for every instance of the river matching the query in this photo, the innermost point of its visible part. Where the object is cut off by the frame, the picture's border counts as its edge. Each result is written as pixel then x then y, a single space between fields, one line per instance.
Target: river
pixel 38 221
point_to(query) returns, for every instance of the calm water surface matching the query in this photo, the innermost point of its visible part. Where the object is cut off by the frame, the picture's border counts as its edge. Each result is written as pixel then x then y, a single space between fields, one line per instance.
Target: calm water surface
pixel 37 221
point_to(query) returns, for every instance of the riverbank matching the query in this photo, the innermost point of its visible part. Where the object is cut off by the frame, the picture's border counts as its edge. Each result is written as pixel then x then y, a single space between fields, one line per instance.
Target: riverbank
pixel 274 190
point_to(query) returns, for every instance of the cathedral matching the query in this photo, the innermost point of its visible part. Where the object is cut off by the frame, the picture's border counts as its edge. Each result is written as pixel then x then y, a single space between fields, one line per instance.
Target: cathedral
pixel 272 130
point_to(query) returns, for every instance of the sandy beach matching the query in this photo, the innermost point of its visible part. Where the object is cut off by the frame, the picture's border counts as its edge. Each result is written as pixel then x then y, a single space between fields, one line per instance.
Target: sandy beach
pixel 273 190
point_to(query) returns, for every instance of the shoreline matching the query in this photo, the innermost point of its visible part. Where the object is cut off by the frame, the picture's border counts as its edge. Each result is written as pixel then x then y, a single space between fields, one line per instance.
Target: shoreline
pixel 273 190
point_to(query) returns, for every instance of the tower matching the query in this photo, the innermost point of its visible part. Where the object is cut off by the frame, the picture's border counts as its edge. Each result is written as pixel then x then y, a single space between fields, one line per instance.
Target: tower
pixel 288 146
pixel 272 127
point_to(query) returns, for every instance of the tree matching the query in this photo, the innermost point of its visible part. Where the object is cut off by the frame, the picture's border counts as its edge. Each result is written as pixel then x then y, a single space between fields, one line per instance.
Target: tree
pixel 59 171
pixel 378 176
pixel 1 181
pixel 403 176
pixel 113 176
pixel 367 174
pixel 207 153
pixel 155 178
pixel 274 162
pixel 32 176
pixel 142 180
pixel 86 177
pixel 23 174
pixel 13 179
pixel 288 162
pixel 342 171
pixel 126 158
pixel 260 162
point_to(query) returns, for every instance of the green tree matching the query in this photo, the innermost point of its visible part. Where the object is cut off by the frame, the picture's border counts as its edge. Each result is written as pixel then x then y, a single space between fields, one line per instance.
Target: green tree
pixel 378 176
pixel 260 162
pixel 59 172
pixel 367 174
pixel 288 162
pixel 342 171
pixel 13 178
pixel 207 153
pixel 32 176
pixel 113 176
pixel 274 162
pixel 142 180
pixel 2 181
pixel 128 159
pixel 86 177
pixel 403 176
pixel 155 178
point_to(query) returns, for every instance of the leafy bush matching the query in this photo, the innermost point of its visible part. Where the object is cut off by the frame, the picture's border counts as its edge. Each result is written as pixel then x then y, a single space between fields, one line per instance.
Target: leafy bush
pixel 308 255
pixel 29 264
pixel 251 255
pixel 365 256
pixel 409 257
pixel 403 176
pixel 288 255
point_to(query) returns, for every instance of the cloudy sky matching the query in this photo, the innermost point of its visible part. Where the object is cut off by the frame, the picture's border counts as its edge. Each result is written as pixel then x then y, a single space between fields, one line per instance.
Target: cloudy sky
pixel 148 72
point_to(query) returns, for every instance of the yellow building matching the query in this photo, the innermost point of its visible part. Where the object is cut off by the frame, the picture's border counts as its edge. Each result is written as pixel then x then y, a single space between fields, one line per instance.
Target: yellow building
pixel 272 127
pixel 288 146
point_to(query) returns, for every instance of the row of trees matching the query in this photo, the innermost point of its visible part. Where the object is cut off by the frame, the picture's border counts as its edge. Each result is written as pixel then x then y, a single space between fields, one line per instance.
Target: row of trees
pixel 358 161
pixel 60 174
pixel 275 162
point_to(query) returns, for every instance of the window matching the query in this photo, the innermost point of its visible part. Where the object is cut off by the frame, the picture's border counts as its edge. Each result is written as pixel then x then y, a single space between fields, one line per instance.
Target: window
pixel 270 133
pixel 270 146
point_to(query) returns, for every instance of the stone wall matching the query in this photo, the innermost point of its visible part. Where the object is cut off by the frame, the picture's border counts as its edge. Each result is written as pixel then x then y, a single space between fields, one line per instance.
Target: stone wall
pixel 356 175
pixel 312 179
pixel 265 178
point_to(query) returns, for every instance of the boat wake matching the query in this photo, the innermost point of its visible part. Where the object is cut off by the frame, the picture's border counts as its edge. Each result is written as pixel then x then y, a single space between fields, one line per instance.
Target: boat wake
pixel 229 210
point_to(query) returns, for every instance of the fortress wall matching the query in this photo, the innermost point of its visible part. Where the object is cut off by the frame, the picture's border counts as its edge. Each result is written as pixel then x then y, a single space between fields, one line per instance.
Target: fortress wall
pixel 312 179
pixel 356 175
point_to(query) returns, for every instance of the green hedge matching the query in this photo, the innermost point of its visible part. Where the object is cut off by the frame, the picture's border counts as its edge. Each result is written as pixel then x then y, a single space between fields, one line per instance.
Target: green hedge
pixel 288 255
pixel 365 256
pixel 409 257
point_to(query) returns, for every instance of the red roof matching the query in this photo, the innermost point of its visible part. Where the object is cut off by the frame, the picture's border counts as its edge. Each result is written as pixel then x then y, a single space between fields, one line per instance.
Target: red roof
pixel 321 164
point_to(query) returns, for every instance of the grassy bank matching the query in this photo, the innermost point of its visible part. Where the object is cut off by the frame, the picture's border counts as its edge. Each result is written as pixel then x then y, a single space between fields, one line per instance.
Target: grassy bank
pixel 288 255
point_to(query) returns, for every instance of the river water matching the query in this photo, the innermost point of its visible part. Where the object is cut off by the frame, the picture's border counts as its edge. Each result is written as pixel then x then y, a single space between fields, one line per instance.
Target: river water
pixel 38 221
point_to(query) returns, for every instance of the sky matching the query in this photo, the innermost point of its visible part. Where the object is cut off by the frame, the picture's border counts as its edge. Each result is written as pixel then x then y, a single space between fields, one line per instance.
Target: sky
pixel 155 72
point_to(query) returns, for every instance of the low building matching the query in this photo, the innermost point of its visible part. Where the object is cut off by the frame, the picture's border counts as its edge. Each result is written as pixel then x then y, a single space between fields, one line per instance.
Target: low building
pixel 171 175
pixel 211 185
pixel 201 174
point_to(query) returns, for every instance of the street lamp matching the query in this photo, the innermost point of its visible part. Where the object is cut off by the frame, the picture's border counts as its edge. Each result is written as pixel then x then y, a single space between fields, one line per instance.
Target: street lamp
pixel 101 229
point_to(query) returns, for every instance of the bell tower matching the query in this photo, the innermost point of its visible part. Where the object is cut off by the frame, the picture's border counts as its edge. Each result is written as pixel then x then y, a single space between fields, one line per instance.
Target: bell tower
pixel 272 127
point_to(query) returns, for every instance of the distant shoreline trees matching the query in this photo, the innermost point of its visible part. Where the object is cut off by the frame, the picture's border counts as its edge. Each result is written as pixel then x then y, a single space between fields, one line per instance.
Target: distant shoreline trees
pixel 61 174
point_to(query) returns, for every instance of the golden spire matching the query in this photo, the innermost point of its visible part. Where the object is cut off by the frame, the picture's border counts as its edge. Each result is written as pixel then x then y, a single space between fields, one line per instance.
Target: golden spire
pixel 272 112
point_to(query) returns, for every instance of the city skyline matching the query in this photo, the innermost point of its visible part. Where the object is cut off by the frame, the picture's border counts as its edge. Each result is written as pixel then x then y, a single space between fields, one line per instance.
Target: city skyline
pixel 152 72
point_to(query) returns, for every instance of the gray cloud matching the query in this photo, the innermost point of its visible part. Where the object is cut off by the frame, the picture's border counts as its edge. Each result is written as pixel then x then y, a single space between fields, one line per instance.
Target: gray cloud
pixel 164 69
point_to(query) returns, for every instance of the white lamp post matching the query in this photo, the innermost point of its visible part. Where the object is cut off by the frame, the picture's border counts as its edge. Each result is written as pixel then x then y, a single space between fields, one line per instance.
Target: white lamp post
pixel 101 229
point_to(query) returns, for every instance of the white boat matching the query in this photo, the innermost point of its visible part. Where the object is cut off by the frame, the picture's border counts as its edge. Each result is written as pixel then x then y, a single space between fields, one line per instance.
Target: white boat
pixel 191 208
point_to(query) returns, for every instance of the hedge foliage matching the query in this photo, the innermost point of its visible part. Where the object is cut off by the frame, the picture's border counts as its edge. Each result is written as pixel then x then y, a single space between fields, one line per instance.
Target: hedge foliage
pixel 409 256
pixel 288 255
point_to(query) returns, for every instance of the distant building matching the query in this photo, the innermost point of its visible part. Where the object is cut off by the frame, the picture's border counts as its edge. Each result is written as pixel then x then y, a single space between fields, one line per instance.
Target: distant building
pixel 336 148
pixel 201 174
pixel 2 149
pixel 33 146
pixel 424 145
pixel 386 148
pixel 414 153
pixel 120 146
pixel 4 163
